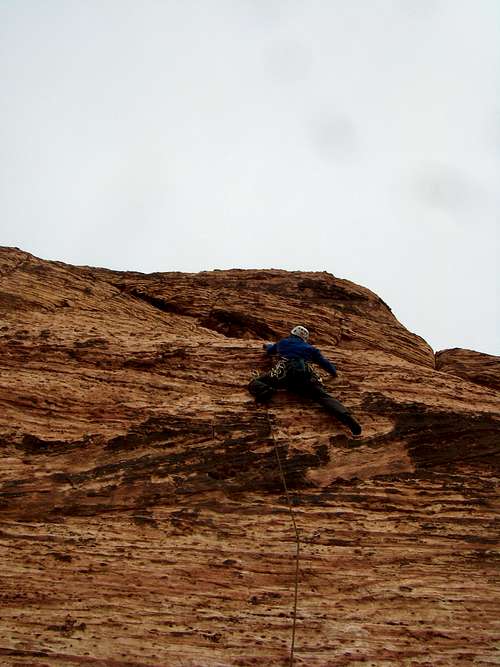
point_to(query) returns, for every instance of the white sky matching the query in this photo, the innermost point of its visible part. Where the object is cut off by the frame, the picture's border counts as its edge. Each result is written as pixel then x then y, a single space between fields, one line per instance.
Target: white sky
pixel 361 137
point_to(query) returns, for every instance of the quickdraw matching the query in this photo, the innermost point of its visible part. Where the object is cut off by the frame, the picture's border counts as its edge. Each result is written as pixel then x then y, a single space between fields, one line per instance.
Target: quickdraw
pixel 280 370
pixel 315 373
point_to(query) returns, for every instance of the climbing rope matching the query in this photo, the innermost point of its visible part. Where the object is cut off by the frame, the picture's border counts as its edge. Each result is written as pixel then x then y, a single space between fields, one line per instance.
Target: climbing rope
pixel 297 538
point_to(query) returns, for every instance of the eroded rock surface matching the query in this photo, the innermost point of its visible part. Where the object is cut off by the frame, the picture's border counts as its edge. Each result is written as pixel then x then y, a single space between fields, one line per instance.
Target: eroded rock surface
pixel 483 369
pixel 144 520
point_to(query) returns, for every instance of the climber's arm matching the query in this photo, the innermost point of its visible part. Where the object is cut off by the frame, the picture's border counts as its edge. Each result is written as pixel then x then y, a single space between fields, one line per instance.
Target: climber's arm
pixel 323 362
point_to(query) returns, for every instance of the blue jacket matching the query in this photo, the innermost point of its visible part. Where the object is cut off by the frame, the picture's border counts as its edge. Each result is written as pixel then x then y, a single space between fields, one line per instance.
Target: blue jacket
pixel 294 347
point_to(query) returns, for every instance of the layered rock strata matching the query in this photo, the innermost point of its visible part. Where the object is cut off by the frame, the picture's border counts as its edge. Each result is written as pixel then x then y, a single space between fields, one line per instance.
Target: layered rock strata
pixel 483 369
pixel 144 520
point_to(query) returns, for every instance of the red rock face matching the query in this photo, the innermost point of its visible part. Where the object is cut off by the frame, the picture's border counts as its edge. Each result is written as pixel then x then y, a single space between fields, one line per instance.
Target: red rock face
pixel 483 369
pixel 144 520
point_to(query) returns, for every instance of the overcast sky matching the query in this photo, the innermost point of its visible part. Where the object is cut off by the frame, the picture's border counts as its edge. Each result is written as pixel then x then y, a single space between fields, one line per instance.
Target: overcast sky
pixel 360 137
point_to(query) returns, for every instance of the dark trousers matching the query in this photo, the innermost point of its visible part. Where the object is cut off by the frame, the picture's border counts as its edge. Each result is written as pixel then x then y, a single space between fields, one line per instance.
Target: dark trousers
pixel 306 385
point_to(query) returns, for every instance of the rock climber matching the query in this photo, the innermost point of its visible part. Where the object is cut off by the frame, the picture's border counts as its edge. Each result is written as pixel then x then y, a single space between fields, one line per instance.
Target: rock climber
pixel 294 372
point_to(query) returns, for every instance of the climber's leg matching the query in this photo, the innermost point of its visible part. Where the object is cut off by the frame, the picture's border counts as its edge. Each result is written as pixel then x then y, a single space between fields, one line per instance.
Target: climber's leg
pixel 262 388
pixel 316 392
pixel 341 413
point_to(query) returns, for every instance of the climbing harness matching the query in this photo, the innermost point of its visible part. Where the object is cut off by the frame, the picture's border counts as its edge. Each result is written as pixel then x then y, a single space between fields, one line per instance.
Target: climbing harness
pixel 278 371
pixel 285 366
pixel 297 538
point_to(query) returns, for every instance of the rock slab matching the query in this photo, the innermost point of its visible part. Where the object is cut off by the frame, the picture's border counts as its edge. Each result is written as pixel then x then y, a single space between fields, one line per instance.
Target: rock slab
pixel 144 519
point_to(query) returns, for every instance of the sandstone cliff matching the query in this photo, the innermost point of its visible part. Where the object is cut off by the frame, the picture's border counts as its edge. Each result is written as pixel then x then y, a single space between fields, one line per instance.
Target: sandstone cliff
pixel 144 520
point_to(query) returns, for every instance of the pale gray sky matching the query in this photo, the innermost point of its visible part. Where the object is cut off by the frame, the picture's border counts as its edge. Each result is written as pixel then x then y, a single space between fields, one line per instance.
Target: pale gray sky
pixel 361 137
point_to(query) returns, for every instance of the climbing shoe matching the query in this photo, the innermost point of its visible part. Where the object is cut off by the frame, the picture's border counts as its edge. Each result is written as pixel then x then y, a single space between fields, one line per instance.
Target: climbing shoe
pixel 355 428
pixel 261 391
pixel 353 425
pixel 264 396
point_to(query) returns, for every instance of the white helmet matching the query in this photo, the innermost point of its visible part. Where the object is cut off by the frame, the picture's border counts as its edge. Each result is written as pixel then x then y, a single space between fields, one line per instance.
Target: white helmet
pixel 301 332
